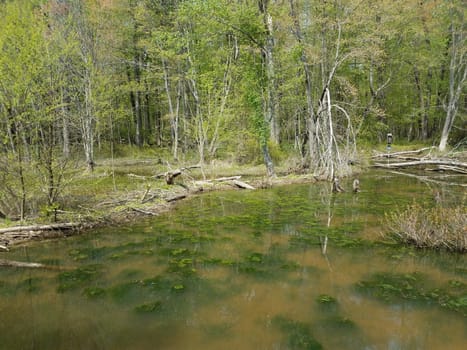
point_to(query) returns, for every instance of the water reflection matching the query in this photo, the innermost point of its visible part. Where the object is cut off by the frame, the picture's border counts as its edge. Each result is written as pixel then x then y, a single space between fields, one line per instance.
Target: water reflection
pixel 288 268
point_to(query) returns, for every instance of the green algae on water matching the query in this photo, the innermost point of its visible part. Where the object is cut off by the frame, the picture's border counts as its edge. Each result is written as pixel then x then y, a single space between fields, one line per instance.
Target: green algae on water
pixel 415 287
pixel 73 279
pixel 149 307
pixel 298 334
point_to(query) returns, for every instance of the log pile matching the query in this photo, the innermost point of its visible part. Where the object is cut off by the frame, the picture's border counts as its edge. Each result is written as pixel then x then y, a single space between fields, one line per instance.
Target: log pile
pixel 407 159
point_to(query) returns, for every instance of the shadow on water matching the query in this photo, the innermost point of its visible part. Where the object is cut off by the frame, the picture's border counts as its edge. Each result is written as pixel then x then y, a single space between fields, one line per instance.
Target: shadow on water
pixel 293 267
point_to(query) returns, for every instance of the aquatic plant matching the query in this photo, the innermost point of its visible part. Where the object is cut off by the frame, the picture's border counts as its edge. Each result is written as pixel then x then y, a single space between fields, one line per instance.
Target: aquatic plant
pixel 150 307
pixel 391 287
pixel 439 228
pixel 94 292
pixel 299 335
pixel 326 299
pixel 338 323
pixel 72 279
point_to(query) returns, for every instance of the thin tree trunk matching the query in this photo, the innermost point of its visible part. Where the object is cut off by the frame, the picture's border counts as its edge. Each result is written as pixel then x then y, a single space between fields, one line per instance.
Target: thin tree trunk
pixel 457 77
pixel 87 124
pixel 172 116
pixel 271 112
pixel 311 118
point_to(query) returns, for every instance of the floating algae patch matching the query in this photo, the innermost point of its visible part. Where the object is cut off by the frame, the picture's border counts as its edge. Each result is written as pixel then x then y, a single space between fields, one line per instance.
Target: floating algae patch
pixel 327 304
pixel 298 334
pixel 125 292
pixel 149 307
pixel 413 287
pixel 266 266
pixel 94 292
pixel 338 323
pixel 76 278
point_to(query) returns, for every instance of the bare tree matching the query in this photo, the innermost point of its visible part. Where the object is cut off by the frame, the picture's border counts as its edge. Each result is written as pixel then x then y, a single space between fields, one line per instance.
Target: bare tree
pixel 457 74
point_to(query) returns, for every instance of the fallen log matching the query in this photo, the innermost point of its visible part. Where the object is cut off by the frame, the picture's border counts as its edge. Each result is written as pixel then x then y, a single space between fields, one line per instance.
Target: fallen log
pixel 243 185
pixel 142 211
pixel 176 198
pixel 5 248
pixel 229 178
pixel 451 168
pixel 401 153
pixel 429 179
pixel 50 227
pixel 12 263
pixel 171 175
pixel 438 162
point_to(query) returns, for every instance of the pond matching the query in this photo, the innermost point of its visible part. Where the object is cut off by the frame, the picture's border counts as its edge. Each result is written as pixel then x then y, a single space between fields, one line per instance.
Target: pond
pixel 292 267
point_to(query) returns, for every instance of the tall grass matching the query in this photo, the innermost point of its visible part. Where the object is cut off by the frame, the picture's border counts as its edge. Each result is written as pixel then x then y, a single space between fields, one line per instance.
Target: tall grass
pixel 437 227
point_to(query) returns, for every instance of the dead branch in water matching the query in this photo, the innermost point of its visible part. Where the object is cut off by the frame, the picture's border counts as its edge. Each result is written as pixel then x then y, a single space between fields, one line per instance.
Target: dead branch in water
pixel 12 263
pixel 32 228
pixel 241 184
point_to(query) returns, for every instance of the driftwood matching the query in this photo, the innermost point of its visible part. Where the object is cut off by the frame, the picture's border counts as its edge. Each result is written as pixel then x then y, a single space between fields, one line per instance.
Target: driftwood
pixel 429 179
pixel 356 185
pixel 12 263
pixel 451 168
pixel 437 162
pixel 5 248
pixel 32 228
pixel 401 153
pixel 241 184
pixel 229 178
pixel 176 198
pixel 336 187
pixel 142 211
pixel 171 175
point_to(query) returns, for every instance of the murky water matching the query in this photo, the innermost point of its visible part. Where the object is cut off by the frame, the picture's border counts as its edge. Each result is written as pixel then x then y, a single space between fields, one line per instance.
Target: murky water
pixel 244 270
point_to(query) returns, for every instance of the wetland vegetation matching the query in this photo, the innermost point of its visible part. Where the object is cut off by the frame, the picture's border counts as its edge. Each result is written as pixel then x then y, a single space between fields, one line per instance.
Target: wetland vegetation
pixel 244 269
pixel 113 111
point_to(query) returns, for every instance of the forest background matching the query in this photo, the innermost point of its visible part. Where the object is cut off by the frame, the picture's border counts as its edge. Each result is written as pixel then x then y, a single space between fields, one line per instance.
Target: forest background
pixel 240 81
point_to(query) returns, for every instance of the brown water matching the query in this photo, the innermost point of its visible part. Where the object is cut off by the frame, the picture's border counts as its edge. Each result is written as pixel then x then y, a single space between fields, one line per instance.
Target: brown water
pixel 244 270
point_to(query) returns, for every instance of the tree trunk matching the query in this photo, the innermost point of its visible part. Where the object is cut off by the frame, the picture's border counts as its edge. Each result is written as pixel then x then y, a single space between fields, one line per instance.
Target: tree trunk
pixel 271 112
pixel 173 117
pixel 87 124
pixel 457 77
pixel 311 118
